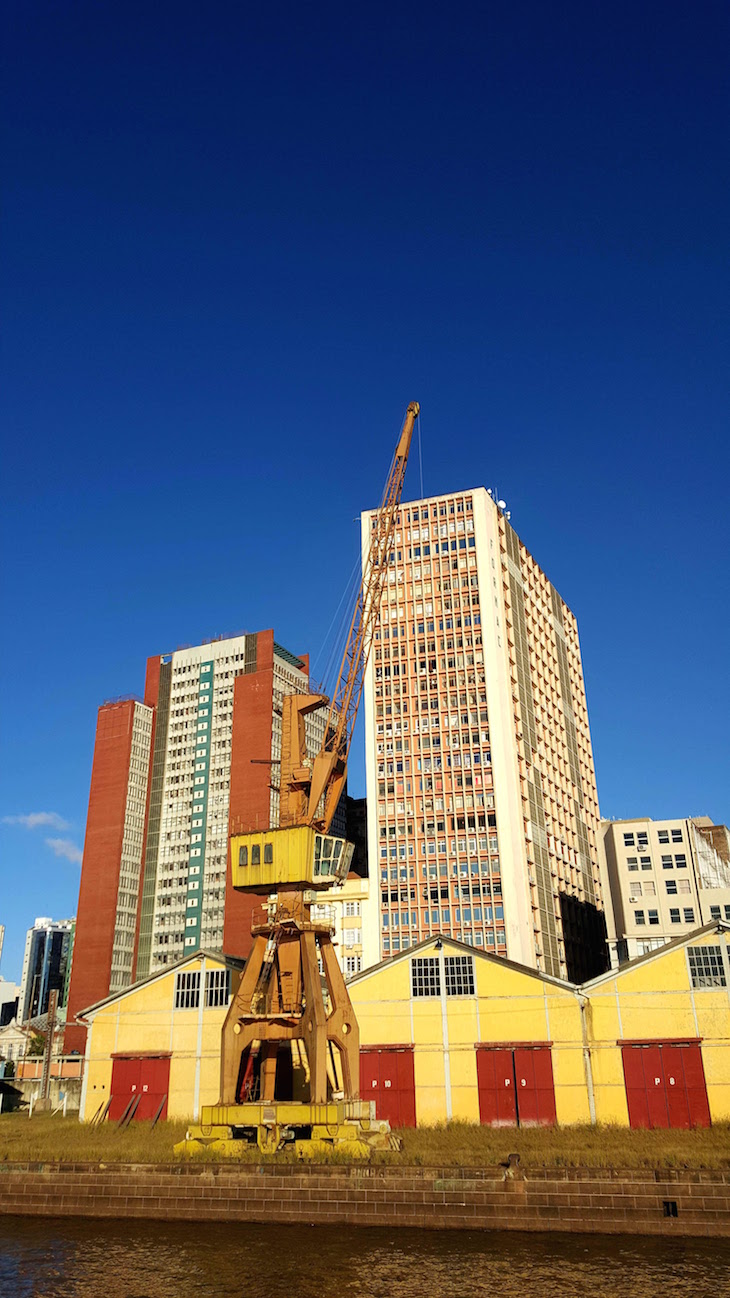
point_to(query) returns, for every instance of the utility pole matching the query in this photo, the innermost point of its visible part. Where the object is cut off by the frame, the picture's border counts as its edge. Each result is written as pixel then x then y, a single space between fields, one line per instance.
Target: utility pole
pixel 48 1052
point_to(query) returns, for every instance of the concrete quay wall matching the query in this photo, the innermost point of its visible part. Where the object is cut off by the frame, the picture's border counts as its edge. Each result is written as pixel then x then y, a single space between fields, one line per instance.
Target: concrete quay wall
pixel 591 1200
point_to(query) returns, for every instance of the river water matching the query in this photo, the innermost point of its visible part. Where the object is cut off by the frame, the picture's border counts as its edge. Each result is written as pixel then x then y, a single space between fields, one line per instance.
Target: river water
pixel 63 1258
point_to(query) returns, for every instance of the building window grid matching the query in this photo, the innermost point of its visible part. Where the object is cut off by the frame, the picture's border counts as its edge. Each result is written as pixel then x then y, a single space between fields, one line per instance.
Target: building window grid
pixel 706 966
pixel 217 987
pixel 187 990
pixel 459 975
pixel 425 976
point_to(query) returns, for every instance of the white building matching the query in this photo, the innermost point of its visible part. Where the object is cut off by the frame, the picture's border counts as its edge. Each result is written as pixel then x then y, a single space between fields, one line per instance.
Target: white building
pixel 482 806
pixel 666 878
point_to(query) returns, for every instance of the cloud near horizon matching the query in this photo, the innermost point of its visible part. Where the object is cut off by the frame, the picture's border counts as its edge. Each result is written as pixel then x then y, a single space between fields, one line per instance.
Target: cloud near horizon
pixel 66 848
pixel 37 820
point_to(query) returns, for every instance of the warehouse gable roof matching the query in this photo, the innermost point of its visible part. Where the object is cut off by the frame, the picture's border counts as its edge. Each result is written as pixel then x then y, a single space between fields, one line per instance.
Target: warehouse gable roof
pixel 232 962
pixel 685 939
pixel 463 948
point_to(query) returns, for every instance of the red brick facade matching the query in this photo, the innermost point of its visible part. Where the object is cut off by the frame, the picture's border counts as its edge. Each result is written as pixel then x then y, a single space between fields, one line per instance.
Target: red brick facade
pixel 92 956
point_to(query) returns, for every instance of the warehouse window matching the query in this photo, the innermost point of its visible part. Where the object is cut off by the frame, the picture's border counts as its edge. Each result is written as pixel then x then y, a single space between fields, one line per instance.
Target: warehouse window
pixel 268 853
pixel 255 853
pixel 217 987
pixel 706 966
pixel 187 990
pixel 425 976
pixel 459 970
pixel 243 856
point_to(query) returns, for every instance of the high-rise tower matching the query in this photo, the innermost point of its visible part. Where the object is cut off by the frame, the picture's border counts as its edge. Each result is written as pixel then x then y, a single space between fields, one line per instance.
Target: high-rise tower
pixel 482 808
pixel 173 773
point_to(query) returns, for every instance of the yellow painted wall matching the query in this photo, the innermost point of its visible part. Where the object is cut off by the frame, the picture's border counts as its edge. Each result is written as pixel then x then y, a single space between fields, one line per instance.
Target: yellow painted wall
pixel 144 1020
pixel 649 1000
pixel 510 1005
pixel 653 1000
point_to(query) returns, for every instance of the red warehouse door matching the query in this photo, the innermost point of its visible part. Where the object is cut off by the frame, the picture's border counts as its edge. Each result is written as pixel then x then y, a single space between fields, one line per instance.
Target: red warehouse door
pixel 145 1075
pixel 496 1082
pixel 534 1087
pixel 665 1084
pixel 387 1076
pixel 515 1086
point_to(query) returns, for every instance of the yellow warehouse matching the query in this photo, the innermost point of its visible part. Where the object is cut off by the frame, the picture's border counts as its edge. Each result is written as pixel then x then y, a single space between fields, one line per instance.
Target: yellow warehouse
pixel 659 1031
pixel 447 1031
pixel 156 1045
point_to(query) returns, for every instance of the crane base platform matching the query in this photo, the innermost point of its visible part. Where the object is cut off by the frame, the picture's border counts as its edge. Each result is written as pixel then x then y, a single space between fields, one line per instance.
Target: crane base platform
pixel 309 1130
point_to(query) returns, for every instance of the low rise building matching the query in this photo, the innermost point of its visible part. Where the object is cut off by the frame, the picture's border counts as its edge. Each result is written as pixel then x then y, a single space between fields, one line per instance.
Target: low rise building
pixel 449 1032
pixel 666 877
pixel 344 909
pixel 159 1039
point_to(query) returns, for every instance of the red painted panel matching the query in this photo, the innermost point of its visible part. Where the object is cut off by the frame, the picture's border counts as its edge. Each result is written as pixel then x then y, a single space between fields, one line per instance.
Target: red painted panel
pixel 144 1076
pixel 125 1084
pixel 694 1080
pixel 656 1095
pixel 535 1086
pixel 675 1087
pixel 635 1086
pixel 369 1074
pixel 665 1085
pixel 496 1083
pixel 387 1076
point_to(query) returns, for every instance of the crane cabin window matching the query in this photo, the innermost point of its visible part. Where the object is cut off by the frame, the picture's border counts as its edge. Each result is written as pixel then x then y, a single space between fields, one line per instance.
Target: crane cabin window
pixel 268 853
pixel 255 853
pixel 243 855
pixel 327 851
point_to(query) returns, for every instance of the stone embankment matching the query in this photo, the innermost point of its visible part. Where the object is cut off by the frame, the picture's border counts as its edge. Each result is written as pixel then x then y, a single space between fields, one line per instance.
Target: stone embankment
pixel 692 1203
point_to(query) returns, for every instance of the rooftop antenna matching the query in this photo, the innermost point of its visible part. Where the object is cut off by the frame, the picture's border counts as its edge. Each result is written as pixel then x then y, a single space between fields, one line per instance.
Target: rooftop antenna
pixel 501 504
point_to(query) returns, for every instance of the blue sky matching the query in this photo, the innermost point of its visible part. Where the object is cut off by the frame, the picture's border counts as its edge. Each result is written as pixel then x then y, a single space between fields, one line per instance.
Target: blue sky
pixel 237 243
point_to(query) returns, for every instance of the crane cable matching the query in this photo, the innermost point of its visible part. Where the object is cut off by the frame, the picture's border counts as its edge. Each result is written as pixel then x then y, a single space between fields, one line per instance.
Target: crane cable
pixel 420 452
pixel 347 598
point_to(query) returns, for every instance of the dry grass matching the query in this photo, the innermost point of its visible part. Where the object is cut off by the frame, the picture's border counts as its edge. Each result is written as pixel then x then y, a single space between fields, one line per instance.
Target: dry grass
pixel 463 1144
pixel 47 1139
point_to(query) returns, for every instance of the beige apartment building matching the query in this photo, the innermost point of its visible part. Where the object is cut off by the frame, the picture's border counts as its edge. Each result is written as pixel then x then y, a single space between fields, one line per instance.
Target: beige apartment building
pixel 482 808
pixel 344 908
pixel 666 877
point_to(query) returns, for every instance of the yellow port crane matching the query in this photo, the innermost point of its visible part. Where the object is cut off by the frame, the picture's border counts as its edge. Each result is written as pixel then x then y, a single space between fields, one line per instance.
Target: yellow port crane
pixel 290 1051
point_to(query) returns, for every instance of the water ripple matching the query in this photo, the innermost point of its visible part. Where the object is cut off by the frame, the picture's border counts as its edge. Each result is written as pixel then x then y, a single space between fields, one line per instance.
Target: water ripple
pixel 60 1258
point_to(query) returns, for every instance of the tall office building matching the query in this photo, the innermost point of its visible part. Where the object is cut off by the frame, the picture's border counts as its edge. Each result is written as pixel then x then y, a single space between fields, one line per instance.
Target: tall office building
pixel 666 877
pixel 482 807
pixel 173 773
pixel 48 946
